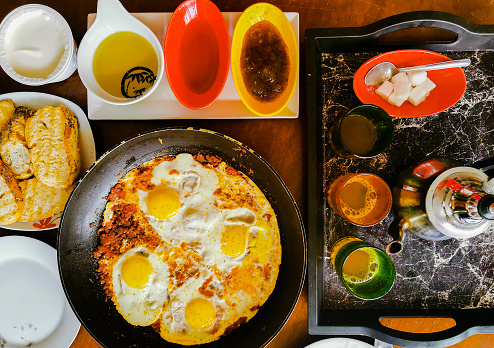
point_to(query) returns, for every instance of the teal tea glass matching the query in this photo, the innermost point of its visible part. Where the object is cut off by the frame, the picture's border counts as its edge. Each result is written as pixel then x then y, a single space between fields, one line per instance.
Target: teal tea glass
pixel 363 132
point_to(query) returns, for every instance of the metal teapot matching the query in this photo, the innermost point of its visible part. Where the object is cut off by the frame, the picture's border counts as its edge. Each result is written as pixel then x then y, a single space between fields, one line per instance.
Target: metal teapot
pixel 439 199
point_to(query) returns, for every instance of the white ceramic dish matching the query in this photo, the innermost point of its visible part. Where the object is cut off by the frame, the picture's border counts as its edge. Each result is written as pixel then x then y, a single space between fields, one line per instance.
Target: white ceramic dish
pixel 86 145
pixel 339 342
pixel 113 18
pixel 34 310
pixel 162 104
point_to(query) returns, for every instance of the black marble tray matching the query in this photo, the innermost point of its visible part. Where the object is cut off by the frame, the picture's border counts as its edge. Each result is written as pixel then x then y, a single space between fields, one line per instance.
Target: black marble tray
pixel 453 278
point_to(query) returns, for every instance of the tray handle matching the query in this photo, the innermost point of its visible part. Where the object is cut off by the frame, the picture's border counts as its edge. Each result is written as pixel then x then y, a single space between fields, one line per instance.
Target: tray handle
pixel 469 37
pixel 453 335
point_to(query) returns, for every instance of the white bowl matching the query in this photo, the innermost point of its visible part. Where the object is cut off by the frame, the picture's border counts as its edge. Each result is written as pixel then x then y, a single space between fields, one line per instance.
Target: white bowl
pixel 112 18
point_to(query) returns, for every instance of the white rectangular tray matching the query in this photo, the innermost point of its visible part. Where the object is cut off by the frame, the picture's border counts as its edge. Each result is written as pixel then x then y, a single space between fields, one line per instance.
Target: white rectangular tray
pixel 162 104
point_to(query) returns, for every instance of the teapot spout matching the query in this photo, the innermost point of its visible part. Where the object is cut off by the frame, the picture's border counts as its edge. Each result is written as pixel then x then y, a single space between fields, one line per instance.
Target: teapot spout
pixel 397 231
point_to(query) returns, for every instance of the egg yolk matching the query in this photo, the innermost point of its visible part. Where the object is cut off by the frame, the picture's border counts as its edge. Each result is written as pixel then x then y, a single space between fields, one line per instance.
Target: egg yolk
pixel 162 202
pixel 136 271
pixel 233 240
pixel 200 314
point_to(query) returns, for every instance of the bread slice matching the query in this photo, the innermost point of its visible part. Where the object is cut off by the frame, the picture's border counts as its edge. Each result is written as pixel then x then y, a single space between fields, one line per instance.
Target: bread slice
pixel 11 202
pixel 7 108
pixel 41 201
pixel 13 147
pixel 51 136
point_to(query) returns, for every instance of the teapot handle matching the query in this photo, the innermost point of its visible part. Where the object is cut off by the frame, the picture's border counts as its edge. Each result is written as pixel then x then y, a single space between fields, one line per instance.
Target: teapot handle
pixel 486 166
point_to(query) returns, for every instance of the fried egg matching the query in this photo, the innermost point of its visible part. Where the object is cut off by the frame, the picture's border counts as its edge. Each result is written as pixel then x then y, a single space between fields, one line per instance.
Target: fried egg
pixel 140 285
pixel 193 315
pixel 180 206
pixel 233 237
pixel 203 246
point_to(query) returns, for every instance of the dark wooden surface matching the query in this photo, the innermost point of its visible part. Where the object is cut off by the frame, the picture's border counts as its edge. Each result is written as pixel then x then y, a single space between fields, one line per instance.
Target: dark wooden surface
pixel 281 142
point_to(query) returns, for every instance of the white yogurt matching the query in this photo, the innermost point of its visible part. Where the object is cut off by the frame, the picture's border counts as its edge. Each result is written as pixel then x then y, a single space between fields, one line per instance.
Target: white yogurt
pixel 36 45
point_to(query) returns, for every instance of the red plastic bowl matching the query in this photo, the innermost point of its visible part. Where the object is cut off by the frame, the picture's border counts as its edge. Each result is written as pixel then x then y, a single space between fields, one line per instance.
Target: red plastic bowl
pixel 197 53
pixel 450 83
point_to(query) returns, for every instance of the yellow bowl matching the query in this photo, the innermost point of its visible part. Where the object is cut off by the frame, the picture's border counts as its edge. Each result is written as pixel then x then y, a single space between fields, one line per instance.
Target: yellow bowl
pixel 252 15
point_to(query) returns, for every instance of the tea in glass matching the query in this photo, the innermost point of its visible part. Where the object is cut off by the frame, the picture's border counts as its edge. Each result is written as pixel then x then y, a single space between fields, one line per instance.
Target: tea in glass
pixel 365 131
pixel 363 199
pixel 358 134
pixel 365 270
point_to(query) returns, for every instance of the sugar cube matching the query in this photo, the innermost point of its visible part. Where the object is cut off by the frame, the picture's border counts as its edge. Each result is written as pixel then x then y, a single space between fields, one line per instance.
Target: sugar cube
pixel 417 77
pixel 402 90
pixel 395 99
pixel 416 96
pixel 385 90
pixel 400 78
pixel 427 86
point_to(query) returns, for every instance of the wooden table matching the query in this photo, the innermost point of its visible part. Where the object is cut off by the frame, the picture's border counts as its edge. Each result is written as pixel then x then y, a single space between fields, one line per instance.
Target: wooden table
pixel 286 136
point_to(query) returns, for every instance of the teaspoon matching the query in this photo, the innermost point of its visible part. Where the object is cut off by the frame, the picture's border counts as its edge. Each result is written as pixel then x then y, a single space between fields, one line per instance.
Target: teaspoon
pixel 385 70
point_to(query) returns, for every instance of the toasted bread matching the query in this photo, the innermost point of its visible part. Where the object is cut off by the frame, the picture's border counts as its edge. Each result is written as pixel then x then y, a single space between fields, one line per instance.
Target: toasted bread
pixel 11 202
pixel 7 108
pixel 13 147
pixel 41 201
pixel 51 135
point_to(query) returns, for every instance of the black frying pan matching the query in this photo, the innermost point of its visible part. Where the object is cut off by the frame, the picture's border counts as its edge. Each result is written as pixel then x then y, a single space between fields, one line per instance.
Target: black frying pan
pixel 83 213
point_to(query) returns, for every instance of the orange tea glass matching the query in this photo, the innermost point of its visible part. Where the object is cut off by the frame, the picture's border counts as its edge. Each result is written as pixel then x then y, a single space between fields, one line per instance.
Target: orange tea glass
pixel 363 199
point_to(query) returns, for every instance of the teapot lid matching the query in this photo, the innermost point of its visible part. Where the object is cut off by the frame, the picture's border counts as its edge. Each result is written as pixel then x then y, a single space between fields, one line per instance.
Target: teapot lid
pixel 441 199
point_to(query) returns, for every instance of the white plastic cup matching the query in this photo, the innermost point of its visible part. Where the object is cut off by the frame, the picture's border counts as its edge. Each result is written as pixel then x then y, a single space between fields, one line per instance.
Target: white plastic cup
pixel 27 14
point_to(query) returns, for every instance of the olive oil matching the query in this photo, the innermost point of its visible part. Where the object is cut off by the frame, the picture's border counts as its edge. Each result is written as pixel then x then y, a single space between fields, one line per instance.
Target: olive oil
pixel 125 65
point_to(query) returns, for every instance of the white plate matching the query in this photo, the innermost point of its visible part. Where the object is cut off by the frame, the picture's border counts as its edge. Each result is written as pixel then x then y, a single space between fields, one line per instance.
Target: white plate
pixel 34 311
pixel 86 145
pixel 162 104
pixel 339 342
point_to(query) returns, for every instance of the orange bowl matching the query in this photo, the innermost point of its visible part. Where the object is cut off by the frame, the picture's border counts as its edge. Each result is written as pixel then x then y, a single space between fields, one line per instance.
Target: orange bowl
pixel 450 83
pixel 197 53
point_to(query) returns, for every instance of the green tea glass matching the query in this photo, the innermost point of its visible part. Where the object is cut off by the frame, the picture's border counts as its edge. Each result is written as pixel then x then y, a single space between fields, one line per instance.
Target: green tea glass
pixel 365 270
pixel 363 132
